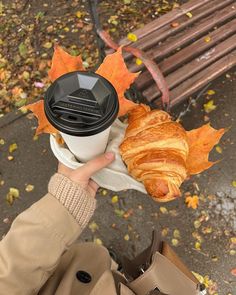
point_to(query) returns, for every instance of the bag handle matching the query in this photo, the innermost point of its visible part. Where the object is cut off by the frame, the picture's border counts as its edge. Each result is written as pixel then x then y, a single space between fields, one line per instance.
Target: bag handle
pixel 134 268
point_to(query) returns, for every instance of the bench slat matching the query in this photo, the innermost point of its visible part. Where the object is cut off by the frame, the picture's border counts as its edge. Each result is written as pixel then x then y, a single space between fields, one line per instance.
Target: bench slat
pixel 162 34
pixel 201 79
pixel 188 53
pixel 184 55
pixel 166 19
pixel 188 70
pixel 159 52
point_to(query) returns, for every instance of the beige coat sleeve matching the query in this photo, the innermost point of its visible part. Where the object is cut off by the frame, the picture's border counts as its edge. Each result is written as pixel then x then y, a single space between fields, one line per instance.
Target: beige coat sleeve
pixel 32 248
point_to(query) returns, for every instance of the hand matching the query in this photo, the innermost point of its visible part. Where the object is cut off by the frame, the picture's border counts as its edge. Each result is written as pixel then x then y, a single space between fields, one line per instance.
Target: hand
pixel 82 175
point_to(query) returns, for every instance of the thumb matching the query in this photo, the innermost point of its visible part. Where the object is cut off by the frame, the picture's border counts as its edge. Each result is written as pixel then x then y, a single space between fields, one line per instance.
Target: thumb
pixel 93 166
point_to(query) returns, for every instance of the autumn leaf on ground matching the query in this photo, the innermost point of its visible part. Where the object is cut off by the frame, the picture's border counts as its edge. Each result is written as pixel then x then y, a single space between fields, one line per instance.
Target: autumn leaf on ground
pixel 16 91
pixel 126 237
pixel 219 149
pixel 201 141
pixel 192 202
pixel 98 241
pixel 209 106
pixel 29 188
pixel 114 199
pixel 12 195
pixel 12 147
pixel 233 272
pixel 63 62
pixel 114 70
pixel 209 284
pixel 93 226
pixel 211 92
pixel 43 124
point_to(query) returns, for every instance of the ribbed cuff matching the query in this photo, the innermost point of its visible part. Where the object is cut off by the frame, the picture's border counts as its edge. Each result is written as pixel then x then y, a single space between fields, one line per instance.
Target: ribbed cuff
pixel 74 198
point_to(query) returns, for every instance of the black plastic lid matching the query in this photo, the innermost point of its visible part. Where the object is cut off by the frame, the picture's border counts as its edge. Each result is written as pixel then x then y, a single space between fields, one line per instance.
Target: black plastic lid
pixel 81 103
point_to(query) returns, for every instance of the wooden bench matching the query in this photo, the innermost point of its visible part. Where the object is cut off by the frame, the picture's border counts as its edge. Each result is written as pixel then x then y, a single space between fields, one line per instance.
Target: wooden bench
pixel 192 45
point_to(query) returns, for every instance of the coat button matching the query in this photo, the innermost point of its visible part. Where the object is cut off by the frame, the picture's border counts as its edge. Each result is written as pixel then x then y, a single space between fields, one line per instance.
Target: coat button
pixel 83 277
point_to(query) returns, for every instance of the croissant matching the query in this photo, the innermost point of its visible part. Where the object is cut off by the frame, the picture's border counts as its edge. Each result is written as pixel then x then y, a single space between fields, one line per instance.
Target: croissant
pixel 155 150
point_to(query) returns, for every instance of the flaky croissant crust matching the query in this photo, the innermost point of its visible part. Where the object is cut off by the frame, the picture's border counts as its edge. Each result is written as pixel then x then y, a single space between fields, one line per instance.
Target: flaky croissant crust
pixel 155 150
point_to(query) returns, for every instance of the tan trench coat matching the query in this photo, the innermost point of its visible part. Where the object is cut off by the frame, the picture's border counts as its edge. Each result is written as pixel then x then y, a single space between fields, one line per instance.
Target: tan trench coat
pixel 39 255
pixel 31 262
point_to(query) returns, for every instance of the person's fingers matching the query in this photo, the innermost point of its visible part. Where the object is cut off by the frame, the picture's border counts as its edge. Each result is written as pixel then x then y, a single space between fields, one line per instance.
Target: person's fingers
pixel 95 165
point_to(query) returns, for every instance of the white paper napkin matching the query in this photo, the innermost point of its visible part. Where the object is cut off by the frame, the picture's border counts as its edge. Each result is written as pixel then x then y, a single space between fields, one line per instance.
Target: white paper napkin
pixel 115 177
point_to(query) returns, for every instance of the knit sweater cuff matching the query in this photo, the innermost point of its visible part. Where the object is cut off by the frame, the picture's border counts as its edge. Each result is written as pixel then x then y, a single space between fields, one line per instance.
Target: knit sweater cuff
pixel 73 197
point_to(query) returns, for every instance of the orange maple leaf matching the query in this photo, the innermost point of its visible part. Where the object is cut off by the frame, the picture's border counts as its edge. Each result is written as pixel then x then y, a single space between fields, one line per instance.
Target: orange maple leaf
pixel 43 124
pixel 201 141
pixel 63 62
pixel 114 70
pixel 192 202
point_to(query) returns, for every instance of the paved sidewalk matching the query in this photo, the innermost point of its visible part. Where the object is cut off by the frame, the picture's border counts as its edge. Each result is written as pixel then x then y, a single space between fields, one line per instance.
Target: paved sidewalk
pixel 211 226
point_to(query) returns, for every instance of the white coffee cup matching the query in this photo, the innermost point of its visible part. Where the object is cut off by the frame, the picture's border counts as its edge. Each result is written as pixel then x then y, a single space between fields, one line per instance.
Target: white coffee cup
pixel 87 147
pixel 82 106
